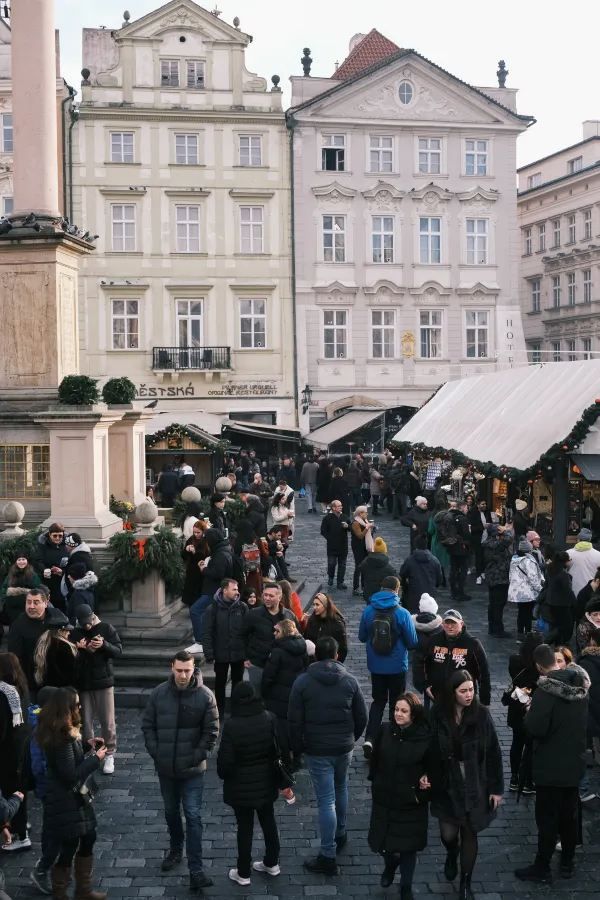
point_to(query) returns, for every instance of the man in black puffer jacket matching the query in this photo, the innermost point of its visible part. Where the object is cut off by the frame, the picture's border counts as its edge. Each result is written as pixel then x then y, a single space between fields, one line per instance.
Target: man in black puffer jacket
pixel 258 631
pixel 180 726
pixel 218 567
pixel 326 715
pixel 223 638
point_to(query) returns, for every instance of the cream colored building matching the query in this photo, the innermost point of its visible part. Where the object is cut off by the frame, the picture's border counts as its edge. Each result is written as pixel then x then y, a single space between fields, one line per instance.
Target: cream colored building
pixel 406 232
pixel 559 217
pixel 181 168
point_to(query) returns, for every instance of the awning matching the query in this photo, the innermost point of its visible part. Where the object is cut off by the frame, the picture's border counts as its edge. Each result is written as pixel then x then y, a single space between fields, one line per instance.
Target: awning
pixel 205 421
pixel 588 464
pixel 509 418
pixel 341 427
pixel 260 430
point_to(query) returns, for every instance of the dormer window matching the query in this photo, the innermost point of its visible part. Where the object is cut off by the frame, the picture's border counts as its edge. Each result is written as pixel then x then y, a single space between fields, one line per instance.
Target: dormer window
pixel 169 72
pixel 195 73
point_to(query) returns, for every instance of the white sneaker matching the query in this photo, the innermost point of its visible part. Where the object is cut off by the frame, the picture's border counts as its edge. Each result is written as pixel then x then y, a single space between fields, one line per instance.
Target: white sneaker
pixel 478 580
pixel 259 866
pixel 109 764
pixel 233 874
pixel 18 844
pixel 194 648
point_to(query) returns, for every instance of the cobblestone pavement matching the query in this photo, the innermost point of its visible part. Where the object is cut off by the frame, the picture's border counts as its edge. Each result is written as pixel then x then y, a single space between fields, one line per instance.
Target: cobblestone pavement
pixel 132 833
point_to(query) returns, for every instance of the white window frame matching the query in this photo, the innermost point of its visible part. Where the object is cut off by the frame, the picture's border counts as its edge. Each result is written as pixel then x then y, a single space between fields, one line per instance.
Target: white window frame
pixel 382 239
pixel 587 225
pixel 527 241
pixel 187 228
pixel 381 153
pixel 556 291
pixel 340 333
pixel 430 240
pixel 252 229
pixel 195 74
pixel 571 289
pixel 587 285
pixel 8 205
pixel 534 180
pixel 556 351
pixel 333 240
pixel 130 312
pixel 574 165
pixel 541 229
pixel 480 339
pixel 425 331
pixel 383 326
pixel 587 348
pixel 477 157
pixel 477 238
pixel 571 228
pixel 535 348
pixel 170 75
pixel 189 317
pixel 429 157
pixel 123 219
pixel 249 310
pixel 555 233
pixel 7 133
pixel 536 294
pixel 122 147
pixel 250 150
pixel 187 149
pixel 571 351
pixel 337 142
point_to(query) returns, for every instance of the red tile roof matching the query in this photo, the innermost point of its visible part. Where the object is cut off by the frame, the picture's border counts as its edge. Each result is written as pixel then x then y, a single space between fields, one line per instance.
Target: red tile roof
pixel 373 48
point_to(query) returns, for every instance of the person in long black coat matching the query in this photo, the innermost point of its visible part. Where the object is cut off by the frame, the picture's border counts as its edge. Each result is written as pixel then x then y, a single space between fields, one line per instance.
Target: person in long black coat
pixel 287 660
pixel 398 773
pixel 13 740
pixel 52 558
pixel 246 763
pixel 327 621
pixel 193 552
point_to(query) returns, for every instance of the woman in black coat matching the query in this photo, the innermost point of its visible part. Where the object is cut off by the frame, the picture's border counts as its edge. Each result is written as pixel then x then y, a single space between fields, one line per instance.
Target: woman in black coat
pixel 193 552
pixel 560 600
pixel 55 657
pixel 323 482
pixel 398 772
pixel 286 661
pixel 68 811
pixel 13 740
pixel 339 489
pixel 52 559
pixel 327 621
pixel 466 775
pixel 523 675
pixel 246 763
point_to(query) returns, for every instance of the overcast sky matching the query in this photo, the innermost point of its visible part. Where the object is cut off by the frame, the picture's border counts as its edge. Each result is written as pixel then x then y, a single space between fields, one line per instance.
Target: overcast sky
pixel 550 48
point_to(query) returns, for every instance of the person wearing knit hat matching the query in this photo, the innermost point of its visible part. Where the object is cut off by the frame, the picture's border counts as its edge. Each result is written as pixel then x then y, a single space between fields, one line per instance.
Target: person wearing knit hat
pixel 524 585
pixel 427 604
pixel 374 568
pixel 521 519
pixel 428 625
pixel 536 541
pixel 379 545
pixel 585 560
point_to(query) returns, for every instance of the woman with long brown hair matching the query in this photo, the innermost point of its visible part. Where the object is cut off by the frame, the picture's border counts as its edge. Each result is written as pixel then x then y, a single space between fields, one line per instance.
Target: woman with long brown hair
pixel 291 600
pixel 193 552
pixel 55 657
pixel 13 741
pixel 327 621
pixel 68 810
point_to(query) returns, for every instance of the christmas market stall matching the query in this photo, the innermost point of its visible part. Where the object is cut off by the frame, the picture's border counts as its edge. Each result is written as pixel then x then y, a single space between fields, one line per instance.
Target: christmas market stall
pixel 527 439
pixel 174 443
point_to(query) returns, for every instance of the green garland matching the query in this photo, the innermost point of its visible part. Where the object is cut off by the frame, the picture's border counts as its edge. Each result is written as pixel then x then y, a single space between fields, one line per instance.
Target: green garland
pixel 543 466
pixel 181 431
pixel 162 554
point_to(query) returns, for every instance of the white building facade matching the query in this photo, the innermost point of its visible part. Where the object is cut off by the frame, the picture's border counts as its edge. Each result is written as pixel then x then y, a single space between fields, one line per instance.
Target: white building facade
pixel 181 167
pixel 559 218
pixel 405 231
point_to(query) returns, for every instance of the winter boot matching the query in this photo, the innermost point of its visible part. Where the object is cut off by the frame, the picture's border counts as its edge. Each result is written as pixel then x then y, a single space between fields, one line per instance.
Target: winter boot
pixel 61 879
pixel 451 864
pixel 83 880
pixel 391 864
pixel 464 891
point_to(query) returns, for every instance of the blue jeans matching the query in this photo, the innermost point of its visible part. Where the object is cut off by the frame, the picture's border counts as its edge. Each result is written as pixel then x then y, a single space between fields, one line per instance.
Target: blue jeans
pixel 186 792
pixel 329 775
pixel 197 610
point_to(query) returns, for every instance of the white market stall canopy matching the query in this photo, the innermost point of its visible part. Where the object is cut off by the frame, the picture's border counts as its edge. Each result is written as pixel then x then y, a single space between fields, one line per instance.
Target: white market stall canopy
pixel 204 421
pixel 509 418
pixel 344 425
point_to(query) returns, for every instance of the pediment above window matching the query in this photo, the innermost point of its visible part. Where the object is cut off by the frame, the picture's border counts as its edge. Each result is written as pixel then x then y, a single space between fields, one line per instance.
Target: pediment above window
pixel 334 192
pixel 383 292
pixel 478 290
pixel 478 193
pixel 335 293
pixel 430 290
pixel 432 193
pixel 383 187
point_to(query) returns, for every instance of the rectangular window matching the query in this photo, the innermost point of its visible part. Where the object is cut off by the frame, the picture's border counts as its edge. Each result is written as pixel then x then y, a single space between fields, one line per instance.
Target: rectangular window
pixel 381 153
pixel 125 324
pixel 430 240
pixel 555 233
pixel 571 224
pixel 555 351
pixel 123 227
pixel 477 242
pixel 24 471
pixel 477 327
pixel 186 149
pixel 575 165
pixel 587 225
pixel 334 239
pixel 542 237
pixel 556 291
pixel 535 352
pixel 527 242
pixel 383 329
pixel 253 324
pixel 8 205
pixel 383 239
pixel 6 133
pixel 335 333
pixel 121 146
pixel 430 333
pixel 587 285
pixel 187 224
pixel 251 229
pixel 571 289
pixel 587 348
pixel 250 150
pixel 189 325
pixel 169 72
pixel 536 294
pixel 571 354
pixel 476 158
pixel 195 73
pixel 534 180
pixel 333 147
pixel 430 156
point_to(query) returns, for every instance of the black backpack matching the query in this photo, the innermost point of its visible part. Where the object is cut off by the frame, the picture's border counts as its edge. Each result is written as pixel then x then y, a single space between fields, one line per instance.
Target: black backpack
pixel 383 631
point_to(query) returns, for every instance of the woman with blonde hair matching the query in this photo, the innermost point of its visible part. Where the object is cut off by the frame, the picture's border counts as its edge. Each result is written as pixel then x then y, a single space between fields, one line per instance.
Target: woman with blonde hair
pixel 361 542
pixel 55 657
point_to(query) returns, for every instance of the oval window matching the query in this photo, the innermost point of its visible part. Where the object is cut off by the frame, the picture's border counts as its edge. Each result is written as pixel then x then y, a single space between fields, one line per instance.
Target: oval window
pixel 405 92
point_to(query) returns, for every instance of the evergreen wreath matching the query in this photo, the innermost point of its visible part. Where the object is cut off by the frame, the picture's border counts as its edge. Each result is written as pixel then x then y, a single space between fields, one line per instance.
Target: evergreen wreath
pixel 134 560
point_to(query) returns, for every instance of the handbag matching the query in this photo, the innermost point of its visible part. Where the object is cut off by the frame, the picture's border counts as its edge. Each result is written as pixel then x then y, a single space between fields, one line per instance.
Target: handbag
pixel 507 695
pixel 283 777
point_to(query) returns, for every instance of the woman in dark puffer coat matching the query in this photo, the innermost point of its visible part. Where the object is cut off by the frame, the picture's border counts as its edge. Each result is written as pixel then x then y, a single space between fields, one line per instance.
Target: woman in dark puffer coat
pixel 398 772
pixel 245 762
pixel 287 660
pixel 327 621
pixel 68 815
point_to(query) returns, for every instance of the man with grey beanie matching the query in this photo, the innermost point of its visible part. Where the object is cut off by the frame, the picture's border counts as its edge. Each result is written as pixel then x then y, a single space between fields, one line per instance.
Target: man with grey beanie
pixel 585 560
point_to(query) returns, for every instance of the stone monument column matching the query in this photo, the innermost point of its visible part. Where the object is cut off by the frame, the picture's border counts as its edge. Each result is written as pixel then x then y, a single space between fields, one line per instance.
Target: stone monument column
pixel 127 448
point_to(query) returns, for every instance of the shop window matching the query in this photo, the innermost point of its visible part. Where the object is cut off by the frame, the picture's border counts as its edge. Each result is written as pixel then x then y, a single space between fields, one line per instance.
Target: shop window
pixel 24 471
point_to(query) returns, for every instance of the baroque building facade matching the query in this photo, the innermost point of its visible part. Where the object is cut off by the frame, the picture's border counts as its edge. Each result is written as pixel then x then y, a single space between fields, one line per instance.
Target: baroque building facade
pixel 405 229
pixel 559 218
pixel 181 167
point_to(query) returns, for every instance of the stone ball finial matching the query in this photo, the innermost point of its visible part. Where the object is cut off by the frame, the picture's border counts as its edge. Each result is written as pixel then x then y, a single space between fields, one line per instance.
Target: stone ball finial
pixel 275 79
pixel 146 513
pixel 306 61
pixel 223 485
pixel 13 512
pixel 236 22
pixel 191 494
pixel 85 74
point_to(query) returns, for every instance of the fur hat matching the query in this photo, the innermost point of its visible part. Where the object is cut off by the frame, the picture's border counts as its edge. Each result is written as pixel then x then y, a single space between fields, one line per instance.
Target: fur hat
pixel 379 545
pixel 525 546
pixel 427 604
pixel 520 505
pixel 584 535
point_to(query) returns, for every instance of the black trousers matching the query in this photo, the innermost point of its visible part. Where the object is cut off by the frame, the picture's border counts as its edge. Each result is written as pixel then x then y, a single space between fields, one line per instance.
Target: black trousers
pixel 359 554
pixel 562 630
pixel 245 831
pixel 556 816
pixel 520 755
pixel 497 597
pixel 477 548
pixel 524 617
pixel 338 560
pixel 237 675
pixel 384 689
pixel 82 846
pixel 458 576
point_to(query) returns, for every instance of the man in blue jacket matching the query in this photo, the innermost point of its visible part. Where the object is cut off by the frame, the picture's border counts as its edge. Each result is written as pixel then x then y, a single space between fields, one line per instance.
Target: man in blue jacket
pixel 389 633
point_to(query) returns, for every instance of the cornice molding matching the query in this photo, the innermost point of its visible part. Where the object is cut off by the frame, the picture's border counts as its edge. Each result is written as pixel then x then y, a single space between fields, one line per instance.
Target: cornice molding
pixel 250 193
pixel 430 288
pixel 193 193
pixel 436 190
pixel 334 190
pixel 383 187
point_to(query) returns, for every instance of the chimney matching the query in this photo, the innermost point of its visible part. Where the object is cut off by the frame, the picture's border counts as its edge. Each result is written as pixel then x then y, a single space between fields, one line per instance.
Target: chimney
pixel 591 128
pixel 354 41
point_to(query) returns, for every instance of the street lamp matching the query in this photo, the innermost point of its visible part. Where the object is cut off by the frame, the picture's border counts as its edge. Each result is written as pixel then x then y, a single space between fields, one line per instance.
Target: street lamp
pixel 306 398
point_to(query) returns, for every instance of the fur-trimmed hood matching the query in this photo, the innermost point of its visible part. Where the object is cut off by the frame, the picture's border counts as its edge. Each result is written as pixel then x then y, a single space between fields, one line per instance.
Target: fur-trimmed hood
pixel 89 580
pixel 425 623
pixel 572 683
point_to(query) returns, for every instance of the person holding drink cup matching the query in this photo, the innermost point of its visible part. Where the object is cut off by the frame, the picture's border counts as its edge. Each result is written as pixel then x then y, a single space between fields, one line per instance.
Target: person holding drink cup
pixel 53 556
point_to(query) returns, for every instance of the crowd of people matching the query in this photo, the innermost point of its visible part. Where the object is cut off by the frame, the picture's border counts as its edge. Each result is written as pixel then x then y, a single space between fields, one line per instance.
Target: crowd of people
pixel 294 703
